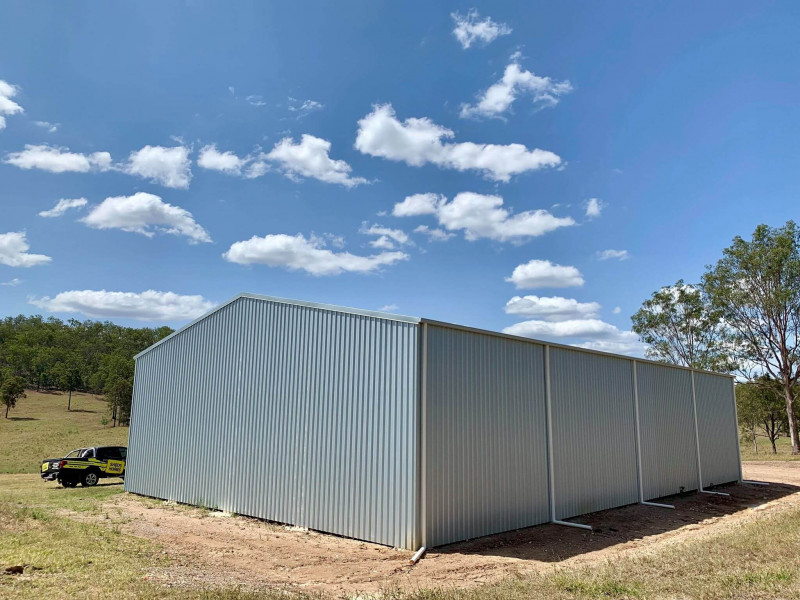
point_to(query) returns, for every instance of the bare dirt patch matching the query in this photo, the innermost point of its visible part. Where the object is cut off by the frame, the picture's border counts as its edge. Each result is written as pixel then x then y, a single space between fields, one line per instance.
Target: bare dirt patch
pixel 222 551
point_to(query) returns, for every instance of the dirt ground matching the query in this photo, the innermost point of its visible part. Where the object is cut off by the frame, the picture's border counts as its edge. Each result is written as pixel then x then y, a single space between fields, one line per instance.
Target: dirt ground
pixel 212 550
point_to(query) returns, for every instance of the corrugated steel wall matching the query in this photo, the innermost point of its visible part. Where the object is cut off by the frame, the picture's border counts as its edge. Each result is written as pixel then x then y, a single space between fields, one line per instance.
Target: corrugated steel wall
pixel 594 432
pixel 486 443
pixel 283 412
pixel 716 426
pixel 666 421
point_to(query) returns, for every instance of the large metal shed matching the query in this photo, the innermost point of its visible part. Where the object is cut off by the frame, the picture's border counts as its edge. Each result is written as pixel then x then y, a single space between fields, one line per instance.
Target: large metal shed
pixel 410 432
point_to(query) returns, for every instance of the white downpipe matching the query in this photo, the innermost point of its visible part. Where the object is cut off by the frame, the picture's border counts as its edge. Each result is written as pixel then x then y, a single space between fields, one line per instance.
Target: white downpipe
pixel 751 482
pixel 423 492
pixel 639 442
pixel 418 555
pixel 551 492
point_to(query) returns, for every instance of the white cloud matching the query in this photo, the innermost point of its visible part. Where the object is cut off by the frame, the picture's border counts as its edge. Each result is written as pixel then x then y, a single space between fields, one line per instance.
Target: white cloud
pixel 553 308
pixel 14 251
pixel 7 105
pixel 227 162
pixel 616 310
pixel 594 208
pixel 618 254
pixel 435 234
pixel 310 158
pixel 387 238
pixel 499 97
pixel 470 28
pixel 149 305
pixel 58 160
pixel 169 167
pixel 388 308
pixel 417 141
pixel 255 100
pixel 146 214
pixel 63 206
pixel 310 255
pixel 589 333
pixel 51 127
pixel 482 216
pixel 544 274
pixel 12 282
pixel 418 204
pixel 304 108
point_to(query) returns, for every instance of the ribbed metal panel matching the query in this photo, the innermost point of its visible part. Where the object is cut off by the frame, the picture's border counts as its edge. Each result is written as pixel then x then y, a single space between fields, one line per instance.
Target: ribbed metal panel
pixel 666 420
pixel 285 412
pixel 716 427
pixel 594 432
pixel 486 444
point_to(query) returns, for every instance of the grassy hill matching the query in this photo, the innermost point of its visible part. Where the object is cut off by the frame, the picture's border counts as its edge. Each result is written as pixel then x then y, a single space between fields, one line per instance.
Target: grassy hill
pixel 40 427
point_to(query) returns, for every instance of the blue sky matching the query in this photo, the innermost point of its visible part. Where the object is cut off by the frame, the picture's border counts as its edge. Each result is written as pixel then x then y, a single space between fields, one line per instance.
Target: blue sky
pixel 270 148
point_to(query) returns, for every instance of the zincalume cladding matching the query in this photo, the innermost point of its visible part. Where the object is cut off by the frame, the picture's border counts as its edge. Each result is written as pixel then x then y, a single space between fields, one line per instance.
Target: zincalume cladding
pixel 404 431
pixel 284 412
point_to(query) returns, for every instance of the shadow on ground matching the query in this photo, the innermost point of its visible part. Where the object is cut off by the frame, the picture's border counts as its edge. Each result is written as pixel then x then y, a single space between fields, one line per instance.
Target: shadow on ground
pixel 555 543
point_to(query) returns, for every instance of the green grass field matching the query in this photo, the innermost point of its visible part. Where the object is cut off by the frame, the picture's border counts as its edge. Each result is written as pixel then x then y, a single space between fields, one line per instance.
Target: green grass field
pixel 40 427
pixel 73 557
pixel 783 446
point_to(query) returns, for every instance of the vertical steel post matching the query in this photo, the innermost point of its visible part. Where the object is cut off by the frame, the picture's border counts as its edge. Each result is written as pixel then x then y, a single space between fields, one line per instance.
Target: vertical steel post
pixel 423 491
pixel 639 441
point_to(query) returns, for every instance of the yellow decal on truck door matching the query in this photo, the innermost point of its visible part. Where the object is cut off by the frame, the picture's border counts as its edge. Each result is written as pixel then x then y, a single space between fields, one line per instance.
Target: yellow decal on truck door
pixel 115 467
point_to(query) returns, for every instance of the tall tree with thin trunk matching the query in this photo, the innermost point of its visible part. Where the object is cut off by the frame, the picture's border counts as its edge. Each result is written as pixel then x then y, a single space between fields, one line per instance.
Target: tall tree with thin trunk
pixel 679 326
pixel 756 287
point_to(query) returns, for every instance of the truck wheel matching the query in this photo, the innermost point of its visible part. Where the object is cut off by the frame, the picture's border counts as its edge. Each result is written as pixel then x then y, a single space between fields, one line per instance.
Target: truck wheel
pixel 69 483
pixel 89 479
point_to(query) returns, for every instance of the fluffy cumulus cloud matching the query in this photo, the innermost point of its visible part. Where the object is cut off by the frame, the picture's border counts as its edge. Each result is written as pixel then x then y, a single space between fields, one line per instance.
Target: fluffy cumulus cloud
pixel 544 274
pixel 470 28
pixel 14 251
pixel 613 254
pixel 516 81
pixel 227 162
pixel 146 214
pixel 63 206
pixel 419 141
pixel 482 216
pixel 50 127
pixel 58 160
pixel 418 204
pixel 149 305
pixel 594 208
pixel 386 238
pixel 553 308
pixel 307 254
pixel 169 167
pixel 7 105
pixel 585 333
pixel 311 158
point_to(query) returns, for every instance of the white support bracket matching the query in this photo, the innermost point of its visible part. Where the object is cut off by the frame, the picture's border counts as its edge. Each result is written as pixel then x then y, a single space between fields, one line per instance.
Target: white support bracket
pixel 551 486
pixel 568 524
pixel 751 482
pixel 658 504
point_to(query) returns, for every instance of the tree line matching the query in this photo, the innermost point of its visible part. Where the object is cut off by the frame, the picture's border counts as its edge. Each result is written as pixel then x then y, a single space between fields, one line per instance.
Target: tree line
pixel 88 356
pixel 743 318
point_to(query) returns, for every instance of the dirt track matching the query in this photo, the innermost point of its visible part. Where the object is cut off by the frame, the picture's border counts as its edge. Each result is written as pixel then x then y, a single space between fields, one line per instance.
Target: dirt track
pixel 215 550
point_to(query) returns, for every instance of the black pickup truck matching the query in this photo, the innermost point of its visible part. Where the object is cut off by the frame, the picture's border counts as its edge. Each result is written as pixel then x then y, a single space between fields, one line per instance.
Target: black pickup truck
pixel 50 465
pixel 91 465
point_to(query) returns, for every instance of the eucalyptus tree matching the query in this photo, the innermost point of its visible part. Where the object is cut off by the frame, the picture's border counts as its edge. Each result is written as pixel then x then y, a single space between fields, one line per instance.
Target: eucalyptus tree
pixel 679 326
pixel 755 287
